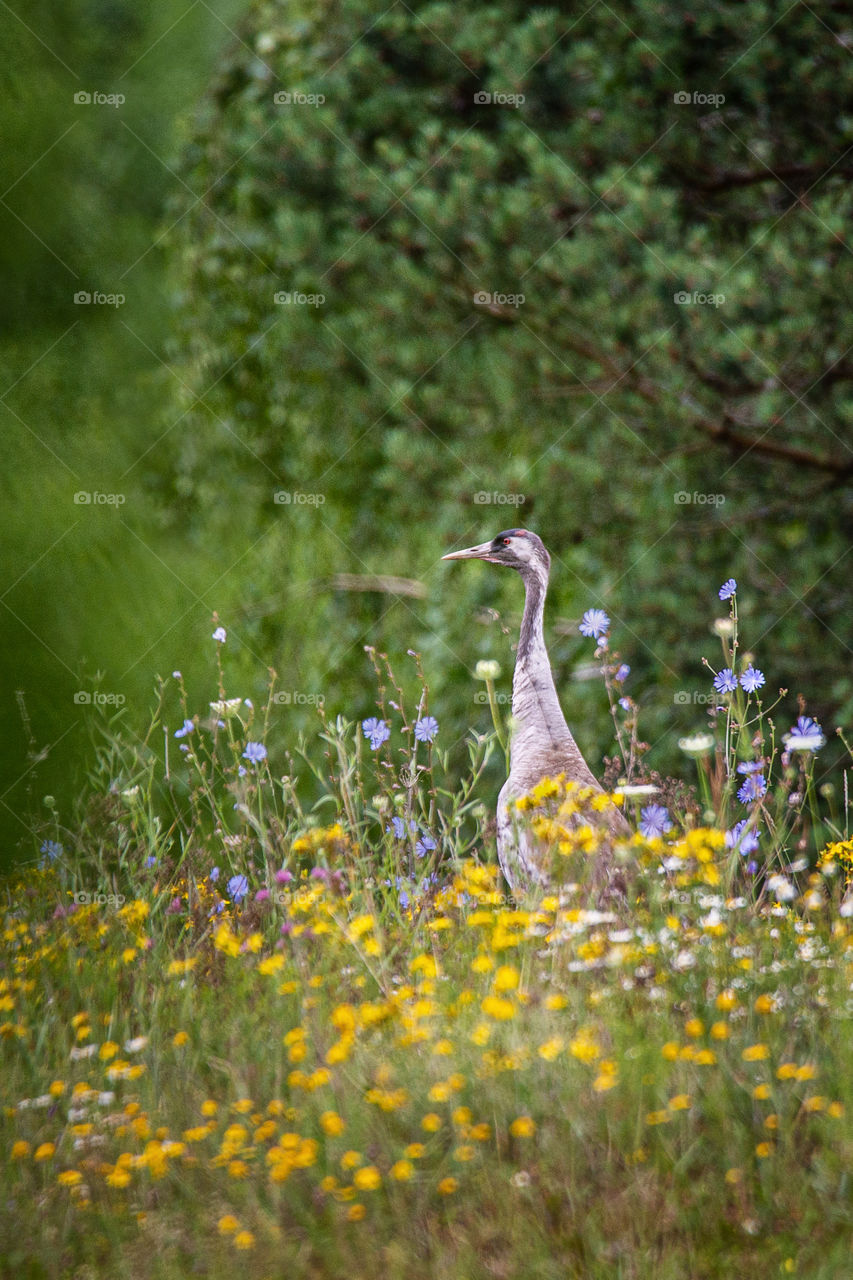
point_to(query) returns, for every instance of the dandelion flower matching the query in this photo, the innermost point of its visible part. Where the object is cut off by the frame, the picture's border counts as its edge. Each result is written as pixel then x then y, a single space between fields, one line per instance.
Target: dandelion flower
pixel 332 1124
pixel 522 1127
pixel 367 1179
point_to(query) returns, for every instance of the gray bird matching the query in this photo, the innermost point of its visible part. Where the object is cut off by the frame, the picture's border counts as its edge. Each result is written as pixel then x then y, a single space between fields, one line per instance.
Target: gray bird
pixel 542 744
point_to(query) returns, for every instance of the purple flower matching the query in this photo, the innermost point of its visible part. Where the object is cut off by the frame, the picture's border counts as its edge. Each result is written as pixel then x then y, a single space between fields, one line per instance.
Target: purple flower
pixel 745 841
pixel 398 826
pixel 238 887
pixel 752 679
pixel 376 732
pixel 173 907
pixel 725 681
pixel 425 845
pixel 594 622
pixel 750 766
pixel 625 704
pixel 402 886
pixel 50 851
pixel 654 821
pixel 753 789
pixel 150 861
pixel 186 727
pixel 621 675
pixel 283 876
pixel 728 589
pixel 214 875
pixel 220 635
pixel 426 729
pixel 318 873
pixel 255 752
pixel 806 735
pixel 262 895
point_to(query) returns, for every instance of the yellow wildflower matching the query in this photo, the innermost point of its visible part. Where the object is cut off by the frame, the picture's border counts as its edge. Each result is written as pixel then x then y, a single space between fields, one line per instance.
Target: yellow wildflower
pixel 498 1007
pixel 522 1127
pixel 367 1179
pixel 332 1124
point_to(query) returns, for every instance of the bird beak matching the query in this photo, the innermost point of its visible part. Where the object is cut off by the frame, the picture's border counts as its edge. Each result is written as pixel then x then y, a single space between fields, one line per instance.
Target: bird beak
pixel 483 552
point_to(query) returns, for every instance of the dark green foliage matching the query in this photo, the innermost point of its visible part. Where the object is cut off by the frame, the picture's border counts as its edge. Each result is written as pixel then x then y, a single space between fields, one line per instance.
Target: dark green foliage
pixel 599 399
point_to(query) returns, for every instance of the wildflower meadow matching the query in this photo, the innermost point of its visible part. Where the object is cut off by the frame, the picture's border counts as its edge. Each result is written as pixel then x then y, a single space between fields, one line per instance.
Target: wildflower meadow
pixel 242 1030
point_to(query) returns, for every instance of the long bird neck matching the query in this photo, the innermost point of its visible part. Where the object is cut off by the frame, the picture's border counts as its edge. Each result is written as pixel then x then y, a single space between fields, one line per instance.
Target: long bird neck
pixel 541 733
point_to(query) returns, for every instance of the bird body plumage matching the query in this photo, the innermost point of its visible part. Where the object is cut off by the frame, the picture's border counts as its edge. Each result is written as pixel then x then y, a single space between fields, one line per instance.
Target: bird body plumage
pixel 542 744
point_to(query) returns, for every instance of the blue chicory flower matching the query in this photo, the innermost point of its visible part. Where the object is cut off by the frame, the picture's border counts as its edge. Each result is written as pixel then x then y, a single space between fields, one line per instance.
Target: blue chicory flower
pixel 806 735
pixel 753 788
pixel 376 731
pixel 426 729
pixel 745 841
pixel 594 623
pixel 725 681
pixel 238 887
pixel 752 679
pixel 654 821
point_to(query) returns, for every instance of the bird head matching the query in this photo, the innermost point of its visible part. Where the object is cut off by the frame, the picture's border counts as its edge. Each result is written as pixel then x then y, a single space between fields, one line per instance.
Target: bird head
pixel 518 549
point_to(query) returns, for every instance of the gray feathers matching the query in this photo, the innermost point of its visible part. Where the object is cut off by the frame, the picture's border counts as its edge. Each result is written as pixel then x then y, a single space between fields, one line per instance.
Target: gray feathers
pixel 542 744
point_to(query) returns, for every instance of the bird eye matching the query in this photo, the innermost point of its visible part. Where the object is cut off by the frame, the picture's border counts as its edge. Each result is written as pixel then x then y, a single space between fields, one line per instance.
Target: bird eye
pixel 506 542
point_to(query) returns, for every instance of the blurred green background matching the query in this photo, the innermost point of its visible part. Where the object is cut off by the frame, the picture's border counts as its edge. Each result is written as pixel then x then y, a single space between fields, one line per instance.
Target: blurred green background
pixel 581 268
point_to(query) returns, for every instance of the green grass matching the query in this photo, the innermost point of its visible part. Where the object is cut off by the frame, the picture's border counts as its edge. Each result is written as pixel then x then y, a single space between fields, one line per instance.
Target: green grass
pixel 330 1079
